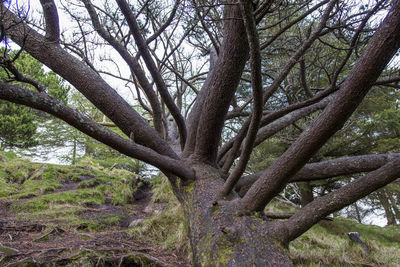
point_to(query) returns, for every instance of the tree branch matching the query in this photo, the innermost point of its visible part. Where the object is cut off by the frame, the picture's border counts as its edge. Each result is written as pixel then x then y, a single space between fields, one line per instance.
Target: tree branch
pixel 276 121
pixel 256 81
pixel 159 81
pixel 220 86
pixel 85 80
pixel 381 49
pixel 133 64
pixel 162 28
pixel 285 28
pixel 18 76
pixel 301 221
pixel 299 53
pixel 326 169
pixel 51 19
pixel 55 107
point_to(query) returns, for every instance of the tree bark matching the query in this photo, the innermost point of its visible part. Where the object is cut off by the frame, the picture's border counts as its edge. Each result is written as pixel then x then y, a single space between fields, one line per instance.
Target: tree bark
pixel 219 235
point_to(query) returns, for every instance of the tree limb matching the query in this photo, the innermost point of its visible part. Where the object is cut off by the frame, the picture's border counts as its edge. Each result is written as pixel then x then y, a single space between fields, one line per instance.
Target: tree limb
pixel 326 169
pixel 133 64
pixel 301 221
pixel 256 81
pixel 159 81
pixel 85 80
pixel 220 86
pixel 55 107
pixel 381 49
pixel 51 19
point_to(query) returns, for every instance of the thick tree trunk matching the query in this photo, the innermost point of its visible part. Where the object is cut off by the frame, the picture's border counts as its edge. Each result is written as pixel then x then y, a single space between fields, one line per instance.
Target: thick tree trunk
pixel 220 235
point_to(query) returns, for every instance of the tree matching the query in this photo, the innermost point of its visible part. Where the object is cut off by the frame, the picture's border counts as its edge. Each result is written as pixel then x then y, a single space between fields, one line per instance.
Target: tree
pixel 17 126
pixel 18 123
pixel 201 138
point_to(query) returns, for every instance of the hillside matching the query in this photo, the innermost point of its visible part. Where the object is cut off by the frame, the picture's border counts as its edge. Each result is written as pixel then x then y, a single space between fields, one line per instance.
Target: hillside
pixel 90 215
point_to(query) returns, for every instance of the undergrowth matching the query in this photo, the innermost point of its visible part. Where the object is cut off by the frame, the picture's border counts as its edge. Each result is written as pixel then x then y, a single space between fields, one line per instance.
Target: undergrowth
pixel 167 228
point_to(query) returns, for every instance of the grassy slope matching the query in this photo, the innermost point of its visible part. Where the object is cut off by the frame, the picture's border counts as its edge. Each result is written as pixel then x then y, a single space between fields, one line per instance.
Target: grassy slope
pixel 37 192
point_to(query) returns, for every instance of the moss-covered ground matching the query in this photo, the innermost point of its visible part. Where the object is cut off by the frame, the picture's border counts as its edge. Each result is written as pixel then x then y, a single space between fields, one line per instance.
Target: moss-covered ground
pixel 92 214
pixel 74 216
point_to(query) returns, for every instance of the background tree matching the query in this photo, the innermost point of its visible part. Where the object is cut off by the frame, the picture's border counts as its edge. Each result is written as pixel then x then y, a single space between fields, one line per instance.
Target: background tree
pixel 205 121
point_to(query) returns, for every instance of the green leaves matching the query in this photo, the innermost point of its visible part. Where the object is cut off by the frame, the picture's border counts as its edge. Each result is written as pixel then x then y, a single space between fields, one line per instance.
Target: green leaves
pixel 17 125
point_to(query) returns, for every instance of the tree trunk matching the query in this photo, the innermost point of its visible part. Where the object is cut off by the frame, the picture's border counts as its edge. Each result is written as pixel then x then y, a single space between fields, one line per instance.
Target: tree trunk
pixel 220 235
pixel 387 207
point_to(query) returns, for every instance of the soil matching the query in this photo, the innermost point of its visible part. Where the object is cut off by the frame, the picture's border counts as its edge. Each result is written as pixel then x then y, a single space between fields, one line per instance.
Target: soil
pixel 42 243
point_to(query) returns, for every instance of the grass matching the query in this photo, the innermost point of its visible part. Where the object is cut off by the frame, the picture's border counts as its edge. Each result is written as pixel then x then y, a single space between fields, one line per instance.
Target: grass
pixel 37 192
pixel 326 243
pixel 167 228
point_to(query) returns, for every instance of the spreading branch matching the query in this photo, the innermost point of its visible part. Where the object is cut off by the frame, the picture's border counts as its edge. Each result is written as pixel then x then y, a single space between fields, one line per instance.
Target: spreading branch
pixel 326 169
pixel 151 66
pixel 51 19
pixel 85 80
pixel 301 221
pixel 219 88
pixel 256 82
pixel 76 119
pixel 377 55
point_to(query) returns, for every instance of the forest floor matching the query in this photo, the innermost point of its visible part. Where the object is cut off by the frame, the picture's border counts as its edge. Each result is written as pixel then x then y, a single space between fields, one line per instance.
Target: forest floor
pixel 80 218
pixel 91 215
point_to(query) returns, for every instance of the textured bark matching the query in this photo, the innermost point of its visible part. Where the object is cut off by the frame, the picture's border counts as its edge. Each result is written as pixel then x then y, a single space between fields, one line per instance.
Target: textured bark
pixel 348 194
pixel 232 232
pixel 87 81
pixel 84 124
pixel 221 86
pixel 220 236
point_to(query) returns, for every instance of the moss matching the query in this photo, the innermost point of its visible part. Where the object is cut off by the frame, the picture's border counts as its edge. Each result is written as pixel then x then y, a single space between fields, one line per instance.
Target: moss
pixel 85 197
pixel 189 188
pixel 36 188
pixel 7 189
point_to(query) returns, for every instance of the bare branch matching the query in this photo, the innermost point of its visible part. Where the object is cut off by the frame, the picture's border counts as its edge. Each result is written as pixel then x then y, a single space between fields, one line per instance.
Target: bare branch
pixel 284 29
pixel 18 76
pixel 256 81
pixel 159 81
pixel 220 86
pixel 326 169
pixel 55 107
pixel 301 221
pixel 166 24
pixel 381 49
pixel 88 82
pixel 51 18
pixel 273 123
pixel 299 53
pixel 133 64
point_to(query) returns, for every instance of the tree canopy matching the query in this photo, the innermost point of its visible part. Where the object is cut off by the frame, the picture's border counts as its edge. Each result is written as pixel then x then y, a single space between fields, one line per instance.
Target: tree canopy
pixel 212 80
